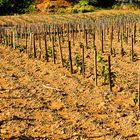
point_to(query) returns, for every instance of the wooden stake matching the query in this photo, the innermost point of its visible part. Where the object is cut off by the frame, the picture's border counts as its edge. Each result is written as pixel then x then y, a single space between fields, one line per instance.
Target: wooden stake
pixel 119 34
pixel 30 50
pixel 0 36
pixel 132 49
pixel 104 35
pixel 40 48
pixel 18 38
pixel 70 57
pixel 135 32
pixel 26 41
pixel 68 32
pixel 83 61
pixel 95 66
pixel 94 37
pixel 62 33
pixel 102 41
pixel 86 38
pixel 109 73
pixel 60 48
pixel 6 38
pixel 49 32
pixel 11 39
pixel 127 35
pixel 46 47
pixel 139 87
pixel 122 50
pixel 34 46
pixel 14 44
pixel 111 39
pixel 73 35
pixel 53 50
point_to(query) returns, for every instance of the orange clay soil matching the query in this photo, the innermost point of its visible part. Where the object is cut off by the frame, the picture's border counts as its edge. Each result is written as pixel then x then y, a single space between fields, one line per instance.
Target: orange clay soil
pixel 43 100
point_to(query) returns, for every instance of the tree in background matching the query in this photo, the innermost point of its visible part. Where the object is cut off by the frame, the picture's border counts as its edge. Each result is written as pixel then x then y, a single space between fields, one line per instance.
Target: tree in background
pixel 106 3
pixel 14 6
pixel 99 3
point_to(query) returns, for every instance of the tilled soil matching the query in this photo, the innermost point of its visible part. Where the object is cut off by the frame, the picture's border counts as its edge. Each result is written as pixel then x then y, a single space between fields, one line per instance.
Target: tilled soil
pixel 42 100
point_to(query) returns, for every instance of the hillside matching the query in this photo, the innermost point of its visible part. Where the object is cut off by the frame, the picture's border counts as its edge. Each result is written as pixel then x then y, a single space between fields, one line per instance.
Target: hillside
pixel 41 99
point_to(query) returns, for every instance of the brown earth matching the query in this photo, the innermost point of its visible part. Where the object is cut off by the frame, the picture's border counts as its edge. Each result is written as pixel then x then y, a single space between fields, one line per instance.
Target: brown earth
pixel 43 100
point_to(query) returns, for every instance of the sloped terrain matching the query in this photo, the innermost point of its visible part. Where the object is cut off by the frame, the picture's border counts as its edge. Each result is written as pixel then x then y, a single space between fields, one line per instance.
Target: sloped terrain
pixel 50 19
pixel 42 100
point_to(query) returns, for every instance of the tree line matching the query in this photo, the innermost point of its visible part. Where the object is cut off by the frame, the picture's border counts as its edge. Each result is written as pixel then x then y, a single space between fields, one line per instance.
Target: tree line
pixel 14 6
pixel 106 3
pixel 23 6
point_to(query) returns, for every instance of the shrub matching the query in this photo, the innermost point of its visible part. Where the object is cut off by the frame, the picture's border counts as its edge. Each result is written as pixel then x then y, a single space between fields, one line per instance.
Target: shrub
pixel 74 11
pixel 83 9
pixel 83 2
pixel 30 9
